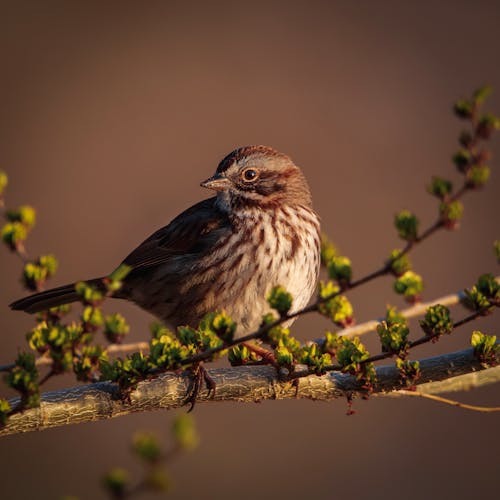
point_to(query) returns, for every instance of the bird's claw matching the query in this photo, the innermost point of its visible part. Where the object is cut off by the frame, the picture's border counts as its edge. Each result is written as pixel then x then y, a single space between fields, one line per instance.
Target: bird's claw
pixel 200 375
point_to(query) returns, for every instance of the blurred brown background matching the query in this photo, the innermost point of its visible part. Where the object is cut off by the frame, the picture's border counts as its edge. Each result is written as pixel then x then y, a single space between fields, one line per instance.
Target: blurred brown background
pixel 113 112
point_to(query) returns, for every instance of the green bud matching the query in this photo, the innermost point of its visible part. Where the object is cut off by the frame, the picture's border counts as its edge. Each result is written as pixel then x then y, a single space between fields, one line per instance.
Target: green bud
pixel 116 481
pixel 465 139
pixel 409 371
pixel 496 249
pixel 283 356
pixel 394 337
pixel 437 321
pixel 184 431
pixel 36 273
pixel 13 235
pixel 488 285
pixel 313 356
pixel 87 366
pixel 338 308
pixel 392 316
pixel 24 379
pixel 410 285
pixel 92 318
pixel 4 180
pixel 340 269
pixel 486 125
pixel 462 160
pixel 49 263
pixel 451 213
pixel 25 214
pixel 5 408
pixel 146 446
pixel 120 273
pixel 407 225
pixel 223 326
pixel 331 342
pixel 477 176
pixel 158 330
pixel 241 355
pixel 115 328
pixel 157 480
pixel 399 263
pixel 463 109
pixel 440 187
pixel 280 300
pixel 480 95
pixel 328 250
pixel 115 280
pixel 485 347
pixel 352 355
pixel 88 294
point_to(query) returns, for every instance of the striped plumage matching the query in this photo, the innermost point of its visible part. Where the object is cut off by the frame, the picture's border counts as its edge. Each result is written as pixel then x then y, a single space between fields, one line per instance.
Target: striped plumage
pixel 225 252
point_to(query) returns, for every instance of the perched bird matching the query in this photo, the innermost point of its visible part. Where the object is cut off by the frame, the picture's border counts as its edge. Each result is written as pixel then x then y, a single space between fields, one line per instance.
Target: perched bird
pixel 225 252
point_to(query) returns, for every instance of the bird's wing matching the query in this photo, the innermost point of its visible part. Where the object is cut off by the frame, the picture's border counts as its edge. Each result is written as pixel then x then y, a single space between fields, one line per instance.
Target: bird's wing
pixel 193 231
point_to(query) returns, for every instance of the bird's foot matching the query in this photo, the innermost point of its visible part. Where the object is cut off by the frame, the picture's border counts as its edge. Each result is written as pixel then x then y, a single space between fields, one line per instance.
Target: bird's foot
pixel 200 375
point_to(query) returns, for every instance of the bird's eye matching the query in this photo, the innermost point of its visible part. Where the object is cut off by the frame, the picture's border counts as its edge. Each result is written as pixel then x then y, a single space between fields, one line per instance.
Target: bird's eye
pixel 249 175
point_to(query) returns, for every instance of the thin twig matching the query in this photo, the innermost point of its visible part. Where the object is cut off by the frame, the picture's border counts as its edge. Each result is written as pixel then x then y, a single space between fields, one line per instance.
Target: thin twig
pixel 465 406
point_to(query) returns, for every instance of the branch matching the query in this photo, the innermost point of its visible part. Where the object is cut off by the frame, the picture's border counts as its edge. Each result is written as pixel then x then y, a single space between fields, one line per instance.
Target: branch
pixel 243 384
pixel 418 309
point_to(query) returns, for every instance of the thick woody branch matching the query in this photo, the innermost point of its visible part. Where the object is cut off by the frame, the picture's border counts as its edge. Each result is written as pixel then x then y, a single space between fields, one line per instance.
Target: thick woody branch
pixel 242 384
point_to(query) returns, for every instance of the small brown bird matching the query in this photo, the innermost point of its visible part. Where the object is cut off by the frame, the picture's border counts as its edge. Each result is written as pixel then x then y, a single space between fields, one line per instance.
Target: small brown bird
pixel 226 252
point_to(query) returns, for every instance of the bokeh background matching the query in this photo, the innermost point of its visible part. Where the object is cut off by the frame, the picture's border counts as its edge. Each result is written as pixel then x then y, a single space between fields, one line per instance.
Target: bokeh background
pixel 113 112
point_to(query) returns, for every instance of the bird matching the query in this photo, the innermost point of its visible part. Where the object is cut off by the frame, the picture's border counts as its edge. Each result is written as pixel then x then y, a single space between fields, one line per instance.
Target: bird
pixel 224 253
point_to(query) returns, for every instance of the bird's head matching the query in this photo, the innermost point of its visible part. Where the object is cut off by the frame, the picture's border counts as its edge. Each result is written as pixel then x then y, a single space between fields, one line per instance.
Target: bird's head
pixel 259 176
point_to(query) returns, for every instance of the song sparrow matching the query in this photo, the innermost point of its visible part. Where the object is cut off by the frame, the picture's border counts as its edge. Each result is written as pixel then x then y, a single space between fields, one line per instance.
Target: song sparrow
pixel 225 252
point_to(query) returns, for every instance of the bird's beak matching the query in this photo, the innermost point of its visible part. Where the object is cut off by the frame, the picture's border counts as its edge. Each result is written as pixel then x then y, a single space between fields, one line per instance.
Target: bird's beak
pixel 217 182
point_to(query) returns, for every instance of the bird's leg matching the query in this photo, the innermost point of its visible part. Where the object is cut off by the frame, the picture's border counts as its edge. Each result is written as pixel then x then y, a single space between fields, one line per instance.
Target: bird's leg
pixel 200 375
pixel 266 355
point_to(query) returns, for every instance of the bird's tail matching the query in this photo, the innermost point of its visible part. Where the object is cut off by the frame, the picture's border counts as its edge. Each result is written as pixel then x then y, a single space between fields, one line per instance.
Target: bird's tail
pixel 52 298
